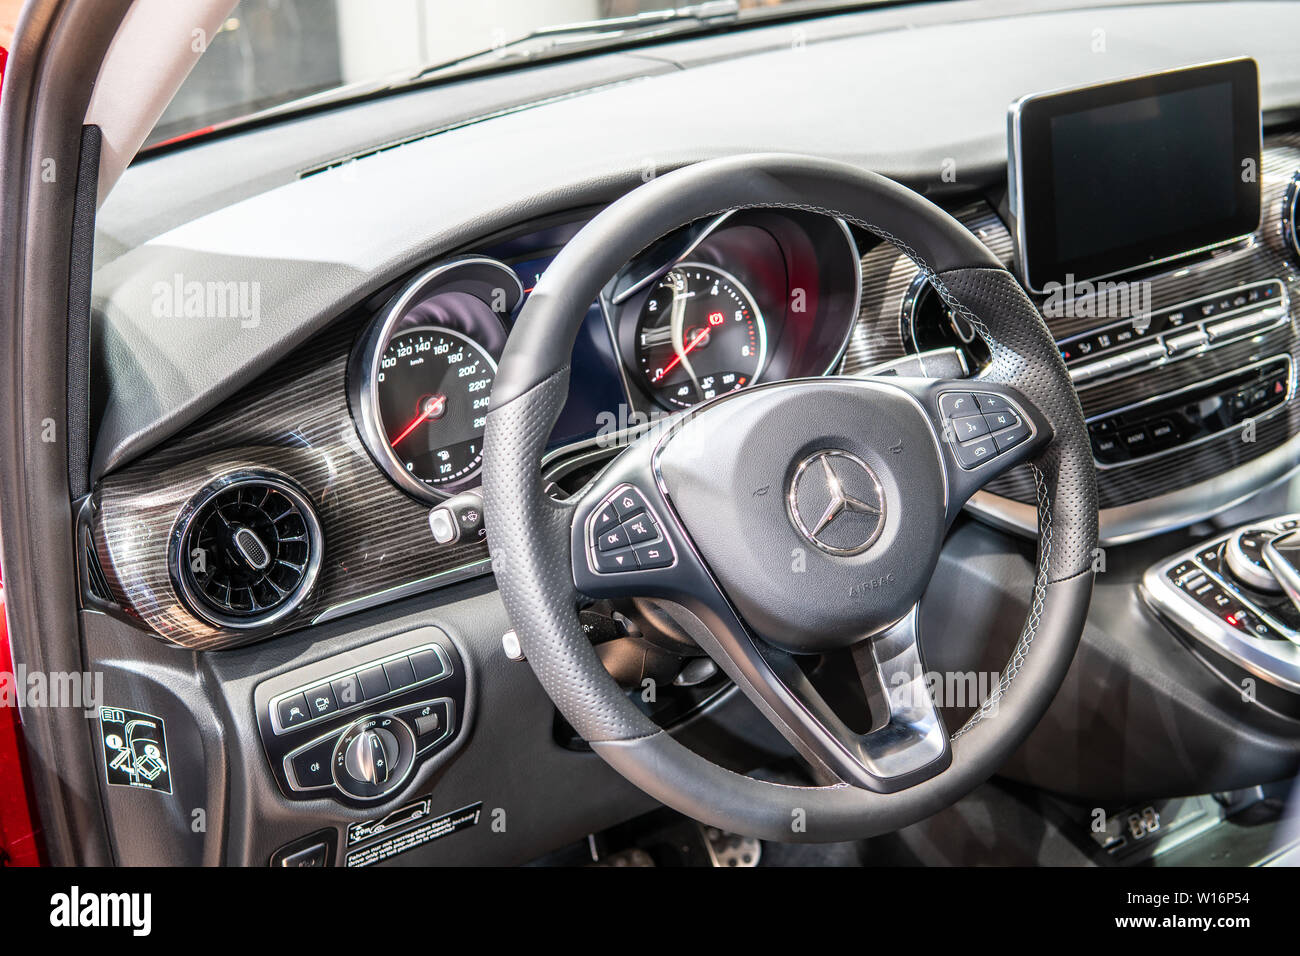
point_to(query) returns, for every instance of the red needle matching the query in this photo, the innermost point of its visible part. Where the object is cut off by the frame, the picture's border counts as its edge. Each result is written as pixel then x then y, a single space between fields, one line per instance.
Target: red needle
pixel 434 407
pixel 699 337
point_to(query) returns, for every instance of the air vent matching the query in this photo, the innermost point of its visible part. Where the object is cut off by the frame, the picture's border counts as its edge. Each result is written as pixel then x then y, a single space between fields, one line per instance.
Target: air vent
pixel 1291 214
pixel 928 323
pixel 246 550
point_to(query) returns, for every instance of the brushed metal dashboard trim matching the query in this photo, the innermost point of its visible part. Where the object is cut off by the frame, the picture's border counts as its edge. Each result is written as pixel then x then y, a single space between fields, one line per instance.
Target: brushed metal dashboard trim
pixel 464 572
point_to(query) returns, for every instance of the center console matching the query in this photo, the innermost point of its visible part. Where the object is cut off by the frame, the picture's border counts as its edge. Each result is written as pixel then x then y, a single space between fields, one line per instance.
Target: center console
pixel 1228 597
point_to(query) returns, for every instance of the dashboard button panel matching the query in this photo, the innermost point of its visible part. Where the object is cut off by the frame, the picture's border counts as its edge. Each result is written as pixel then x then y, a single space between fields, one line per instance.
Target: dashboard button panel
pixel 1175 332
pixel 375 681
pixel 381 719
pixel 1190 414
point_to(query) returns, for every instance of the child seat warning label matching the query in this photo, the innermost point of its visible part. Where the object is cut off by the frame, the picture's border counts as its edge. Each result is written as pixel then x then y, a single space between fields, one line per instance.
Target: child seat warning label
pixel 418 835
pixel 135 750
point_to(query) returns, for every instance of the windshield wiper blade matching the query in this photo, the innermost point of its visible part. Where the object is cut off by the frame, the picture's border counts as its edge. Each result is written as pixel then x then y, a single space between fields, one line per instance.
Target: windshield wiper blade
pixel 595 32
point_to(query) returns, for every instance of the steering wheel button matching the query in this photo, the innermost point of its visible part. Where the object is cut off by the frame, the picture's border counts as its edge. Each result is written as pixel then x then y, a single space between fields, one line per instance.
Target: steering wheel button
pixel 999 420
pixel 653 556
pixel 1011 436
pixel 627 503
pixel 639 529
pixel 611 562
pixel 977 452
pixel 956 404
pixel 606 517
pixel 612 540
pixel 972 426
pixel 989 402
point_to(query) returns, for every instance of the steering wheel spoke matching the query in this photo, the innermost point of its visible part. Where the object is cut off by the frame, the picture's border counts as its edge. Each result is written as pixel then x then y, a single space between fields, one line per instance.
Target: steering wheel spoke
pixel 906 741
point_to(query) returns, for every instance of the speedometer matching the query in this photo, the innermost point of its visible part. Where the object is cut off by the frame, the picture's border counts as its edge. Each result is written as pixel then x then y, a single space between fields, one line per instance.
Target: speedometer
pixel 421 375
pixel 699 335
pixel 432 393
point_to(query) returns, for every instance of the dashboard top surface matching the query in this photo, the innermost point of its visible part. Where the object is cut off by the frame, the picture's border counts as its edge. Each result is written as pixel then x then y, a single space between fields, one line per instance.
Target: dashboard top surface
pixel 899 101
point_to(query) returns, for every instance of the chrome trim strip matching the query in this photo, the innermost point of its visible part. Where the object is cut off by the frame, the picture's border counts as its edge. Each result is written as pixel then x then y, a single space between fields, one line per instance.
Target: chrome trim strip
pixel 1283 569
pixel 1123 361
pixel 1290 200
pixel 464 572
pixel 1152 516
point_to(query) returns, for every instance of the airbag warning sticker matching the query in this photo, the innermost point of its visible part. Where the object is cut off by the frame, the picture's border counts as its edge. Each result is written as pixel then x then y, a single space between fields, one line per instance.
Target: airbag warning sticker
pixel 135 750
pixel 416 836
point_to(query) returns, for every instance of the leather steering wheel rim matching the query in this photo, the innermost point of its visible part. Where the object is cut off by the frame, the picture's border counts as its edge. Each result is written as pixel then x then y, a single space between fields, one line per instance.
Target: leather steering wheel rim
pixel 533 537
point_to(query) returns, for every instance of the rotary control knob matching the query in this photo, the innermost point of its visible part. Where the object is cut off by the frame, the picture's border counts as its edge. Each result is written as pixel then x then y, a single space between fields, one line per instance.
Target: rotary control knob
pixel 370 757
pixel 373 756
pixel 1245 557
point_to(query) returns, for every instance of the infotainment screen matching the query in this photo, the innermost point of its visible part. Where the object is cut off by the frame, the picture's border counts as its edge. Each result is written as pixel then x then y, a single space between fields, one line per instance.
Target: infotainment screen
pixel 1118 176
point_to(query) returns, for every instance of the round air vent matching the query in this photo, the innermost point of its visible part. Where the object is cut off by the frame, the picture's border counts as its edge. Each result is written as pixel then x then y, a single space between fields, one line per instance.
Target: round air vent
pixel 246 550
pixel 1289 214
pixel 928 324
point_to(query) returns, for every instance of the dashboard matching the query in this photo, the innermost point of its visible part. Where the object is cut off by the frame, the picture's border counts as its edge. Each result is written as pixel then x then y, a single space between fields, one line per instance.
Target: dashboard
pixel 386 409
pixel 330 433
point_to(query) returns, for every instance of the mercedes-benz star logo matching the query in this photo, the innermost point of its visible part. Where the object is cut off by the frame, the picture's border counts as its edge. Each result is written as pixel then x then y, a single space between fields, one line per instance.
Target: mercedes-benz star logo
pixel 835 502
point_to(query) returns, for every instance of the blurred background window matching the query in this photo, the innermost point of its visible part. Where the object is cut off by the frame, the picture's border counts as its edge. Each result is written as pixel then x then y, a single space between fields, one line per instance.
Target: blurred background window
pixel 271 52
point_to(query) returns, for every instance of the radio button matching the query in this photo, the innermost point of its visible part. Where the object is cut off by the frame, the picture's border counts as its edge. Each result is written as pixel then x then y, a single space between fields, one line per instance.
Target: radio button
pixel 1185 341
pixel 1136 441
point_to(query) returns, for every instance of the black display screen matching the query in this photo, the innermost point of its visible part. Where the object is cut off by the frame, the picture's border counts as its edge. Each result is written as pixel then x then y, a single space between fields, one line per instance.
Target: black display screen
pixel 1114 177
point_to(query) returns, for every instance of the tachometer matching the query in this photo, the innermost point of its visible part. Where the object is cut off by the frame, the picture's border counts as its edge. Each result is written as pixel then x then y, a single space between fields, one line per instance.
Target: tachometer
pixel 699 335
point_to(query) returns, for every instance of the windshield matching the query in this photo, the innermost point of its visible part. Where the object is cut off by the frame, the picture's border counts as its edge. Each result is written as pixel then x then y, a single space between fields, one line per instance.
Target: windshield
pixel 273 52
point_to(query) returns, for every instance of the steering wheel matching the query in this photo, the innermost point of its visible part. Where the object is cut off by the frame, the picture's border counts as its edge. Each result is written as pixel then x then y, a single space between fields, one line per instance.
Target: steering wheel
pixel 795 518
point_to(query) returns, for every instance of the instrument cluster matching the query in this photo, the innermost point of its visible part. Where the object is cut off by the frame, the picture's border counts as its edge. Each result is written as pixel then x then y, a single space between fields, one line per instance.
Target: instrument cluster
pixel 745 297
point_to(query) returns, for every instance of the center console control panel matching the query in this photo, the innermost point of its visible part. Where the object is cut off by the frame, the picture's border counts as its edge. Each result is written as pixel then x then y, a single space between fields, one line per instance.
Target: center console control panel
pixel 1224 595
pixel 1190 414
pixel 1174 333
pixel 357 730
